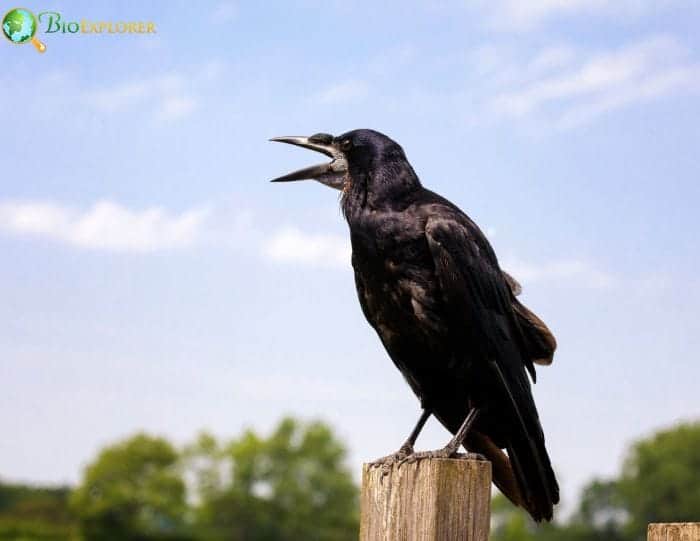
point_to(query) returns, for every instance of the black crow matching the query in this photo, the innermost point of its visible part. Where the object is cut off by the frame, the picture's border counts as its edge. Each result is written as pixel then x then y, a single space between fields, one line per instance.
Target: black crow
pixel 430 285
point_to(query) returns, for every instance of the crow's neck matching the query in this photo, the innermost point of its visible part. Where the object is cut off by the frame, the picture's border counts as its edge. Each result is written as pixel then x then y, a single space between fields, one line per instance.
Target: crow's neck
pixel 391 186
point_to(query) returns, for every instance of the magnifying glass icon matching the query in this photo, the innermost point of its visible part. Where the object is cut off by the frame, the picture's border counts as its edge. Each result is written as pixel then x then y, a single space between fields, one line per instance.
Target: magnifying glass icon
pixel 19 26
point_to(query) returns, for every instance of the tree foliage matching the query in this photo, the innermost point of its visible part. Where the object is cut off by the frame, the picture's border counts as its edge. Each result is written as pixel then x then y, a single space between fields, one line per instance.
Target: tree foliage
pixel 290 485
pixel 660 479
pixel 133 490
pixel 36 513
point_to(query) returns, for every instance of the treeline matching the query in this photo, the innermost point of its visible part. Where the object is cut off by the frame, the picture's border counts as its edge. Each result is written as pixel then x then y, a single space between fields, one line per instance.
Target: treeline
pixel 291 485
pixel 35 513
pixel 294 485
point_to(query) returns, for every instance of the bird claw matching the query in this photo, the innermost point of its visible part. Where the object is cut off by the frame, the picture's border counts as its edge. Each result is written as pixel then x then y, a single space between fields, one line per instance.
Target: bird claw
pixel 445 452
pixel 387 462
pixel 422 455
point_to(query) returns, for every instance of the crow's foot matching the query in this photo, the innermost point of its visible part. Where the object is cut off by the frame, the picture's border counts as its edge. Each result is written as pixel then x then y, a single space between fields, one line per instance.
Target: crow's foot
pixel 445 452
pixel 388 461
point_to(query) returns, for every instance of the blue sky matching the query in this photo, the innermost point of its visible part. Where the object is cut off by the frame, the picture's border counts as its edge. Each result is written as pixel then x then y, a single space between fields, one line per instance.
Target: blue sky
pixel 153 279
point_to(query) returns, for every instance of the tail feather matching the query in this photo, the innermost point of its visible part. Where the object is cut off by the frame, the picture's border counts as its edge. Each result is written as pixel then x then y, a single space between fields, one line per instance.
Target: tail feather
pixel 511 478
pixel 527 452
pixel 535 477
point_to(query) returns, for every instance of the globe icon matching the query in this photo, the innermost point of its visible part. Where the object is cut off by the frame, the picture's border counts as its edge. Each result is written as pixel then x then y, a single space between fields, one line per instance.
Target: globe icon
pixel 19 26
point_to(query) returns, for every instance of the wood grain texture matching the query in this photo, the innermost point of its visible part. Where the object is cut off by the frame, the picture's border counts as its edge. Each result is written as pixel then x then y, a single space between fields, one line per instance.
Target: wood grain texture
pixel 430 500
pixel 674 531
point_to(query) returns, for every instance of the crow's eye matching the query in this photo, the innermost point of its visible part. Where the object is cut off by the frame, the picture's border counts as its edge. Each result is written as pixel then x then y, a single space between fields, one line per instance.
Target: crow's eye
pixel 345 144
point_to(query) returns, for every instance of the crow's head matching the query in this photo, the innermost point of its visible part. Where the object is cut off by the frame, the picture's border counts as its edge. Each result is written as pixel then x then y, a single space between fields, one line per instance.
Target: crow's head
pixel 355 154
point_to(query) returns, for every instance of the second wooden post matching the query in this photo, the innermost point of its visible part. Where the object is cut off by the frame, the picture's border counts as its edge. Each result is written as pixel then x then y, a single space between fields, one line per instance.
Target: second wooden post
pixel 674 531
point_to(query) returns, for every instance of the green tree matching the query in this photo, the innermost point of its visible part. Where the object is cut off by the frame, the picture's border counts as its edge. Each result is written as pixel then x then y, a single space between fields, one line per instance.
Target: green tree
pixel 660 479
pixel 133 490
pixel 509 523
pixel 35 513
pixel 512 524
pixel 207 467
pixel 291 485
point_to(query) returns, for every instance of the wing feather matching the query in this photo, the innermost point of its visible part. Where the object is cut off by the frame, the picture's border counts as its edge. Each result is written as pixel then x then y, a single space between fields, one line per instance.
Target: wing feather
pixel 479 300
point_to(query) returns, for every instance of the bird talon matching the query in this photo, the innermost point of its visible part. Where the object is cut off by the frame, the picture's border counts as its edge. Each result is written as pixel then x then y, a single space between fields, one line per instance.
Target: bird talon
pixel 387 462
pixel 409 459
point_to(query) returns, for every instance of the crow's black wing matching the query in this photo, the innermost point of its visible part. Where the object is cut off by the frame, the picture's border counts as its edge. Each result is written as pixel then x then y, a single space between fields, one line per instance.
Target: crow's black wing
pixel 478 302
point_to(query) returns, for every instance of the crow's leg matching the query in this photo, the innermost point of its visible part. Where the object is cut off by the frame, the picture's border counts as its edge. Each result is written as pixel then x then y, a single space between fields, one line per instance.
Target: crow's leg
pixel 386 462
pixel 451 449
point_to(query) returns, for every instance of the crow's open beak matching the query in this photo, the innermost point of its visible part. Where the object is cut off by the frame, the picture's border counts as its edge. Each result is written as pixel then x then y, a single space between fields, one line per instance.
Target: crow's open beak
pixel 331 174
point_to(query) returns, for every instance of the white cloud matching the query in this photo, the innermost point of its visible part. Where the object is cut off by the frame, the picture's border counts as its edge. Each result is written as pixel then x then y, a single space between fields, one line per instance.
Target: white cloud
pixel 578 273
pixel 496 68
pixel 344 92
pixel 651 87
pixel 598 74
pixel 174 107
pixel 290 245
pixel 523 15
pixel 566 89
pixel 169 96
pixel 104 226
pixel 126 95
pixel 530 14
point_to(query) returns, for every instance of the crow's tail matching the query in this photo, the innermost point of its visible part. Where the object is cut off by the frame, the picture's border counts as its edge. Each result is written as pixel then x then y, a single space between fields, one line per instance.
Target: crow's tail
pixel 511 478
pixel 535 476
pixel 526 450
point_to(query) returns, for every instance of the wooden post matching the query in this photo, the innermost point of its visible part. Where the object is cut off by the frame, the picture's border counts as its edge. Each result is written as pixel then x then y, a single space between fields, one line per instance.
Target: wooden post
pixel 430 500
pixel 674 531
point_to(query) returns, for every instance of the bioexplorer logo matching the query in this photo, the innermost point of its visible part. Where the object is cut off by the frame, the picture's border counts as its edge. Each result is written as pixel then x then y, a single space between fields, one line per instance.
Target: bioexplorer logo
pixel 20 26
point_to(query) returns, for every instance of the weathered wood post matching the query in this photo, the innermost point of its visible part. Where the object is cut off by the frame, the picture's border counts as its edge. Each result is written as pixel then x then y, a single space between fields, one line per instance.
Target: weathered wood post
pixel 430 500
pixel 674 531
